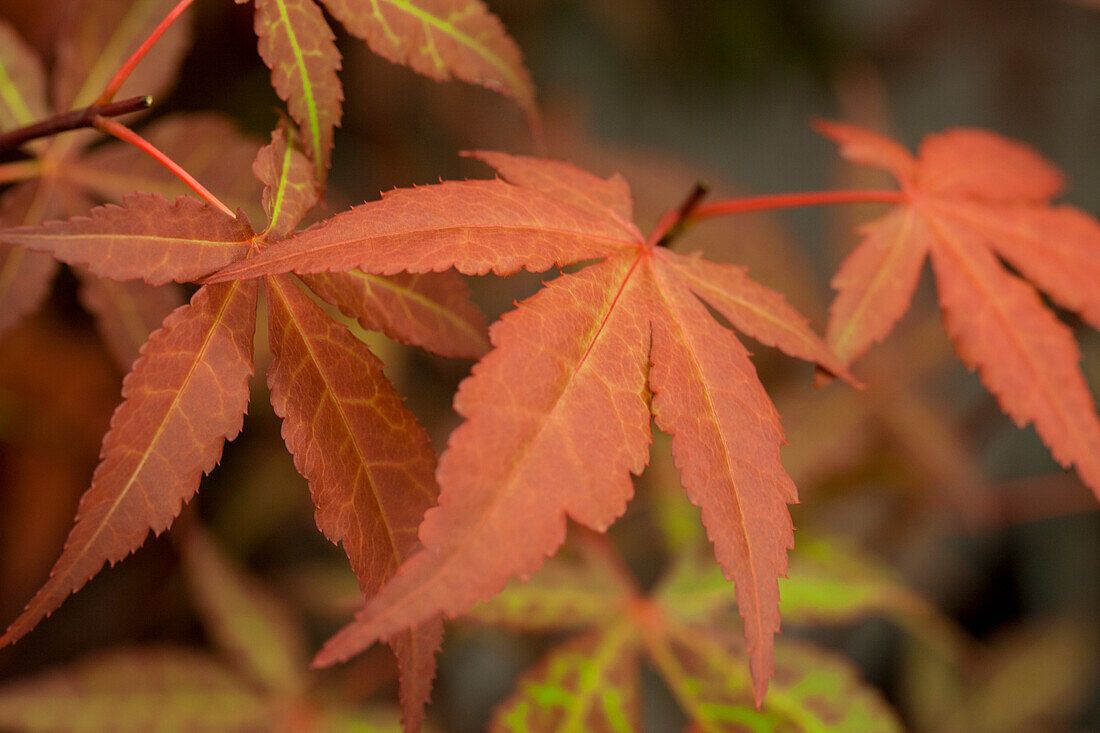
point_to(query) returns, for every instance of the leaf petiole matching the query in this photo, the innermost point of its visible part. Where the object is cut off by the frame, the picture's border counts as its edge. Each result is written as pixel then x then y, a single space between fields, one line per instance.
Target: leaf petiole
pixel 129 136
pixel 795 200
pixel 127 68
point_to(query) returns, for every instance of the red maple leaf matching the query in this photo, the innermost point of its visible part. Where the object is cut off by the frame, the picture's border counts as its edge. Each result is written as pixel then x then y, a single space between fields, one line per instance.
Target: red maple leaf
pixel 558 414
pixel 368 462
pixel 973 198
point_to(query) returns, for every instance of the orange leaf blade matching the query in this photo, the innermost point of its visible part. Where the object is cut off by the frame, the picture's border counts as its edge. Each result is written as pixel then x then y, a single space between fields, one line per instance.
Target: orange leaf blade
pixel 473 226
pixel 563 440
pixel 185 397
pixel 1023 354
pixel 968 163
pixel 289 187
pixel 368 461
pixel 148 238
pixel 725 440
pixel 752 308
pixel 876 282
pixel 431 310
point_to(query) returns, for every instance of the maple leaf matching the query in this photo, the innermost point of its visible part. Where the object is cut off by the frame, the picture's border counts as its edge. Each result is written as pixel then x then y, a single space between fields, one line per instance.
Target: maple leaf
pixel 973 198
pixel 557 415
pixel 438 38
pixel 369 464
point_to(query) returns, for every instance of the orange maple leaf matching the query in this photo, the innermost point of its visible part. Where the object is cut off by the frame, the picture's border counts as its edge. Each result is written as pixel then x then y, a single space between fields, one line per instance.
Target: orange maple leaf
pixel 558 414
pixel 973 198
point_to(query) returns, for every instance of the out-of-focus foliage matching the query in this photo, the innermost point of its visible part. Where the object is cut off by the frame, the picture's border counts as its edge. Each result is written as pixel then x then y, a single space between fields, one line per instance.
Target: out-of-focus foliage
pixel 254 679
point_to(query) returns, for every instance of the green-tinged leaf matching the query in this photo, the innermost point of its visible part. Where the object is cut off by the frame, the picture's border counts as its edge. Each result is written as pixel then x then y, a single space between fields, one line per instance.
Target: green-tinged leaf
pixel 244 619
pixel 126 312
pixel 572 590
pixel 185 397
pixel 22 81
pixel 297 45
pixel 441 39
pixel 589 685
pixel 431 310
pixel 155 689
pixel 831 583
pixel 290 190
pixel 811 691
pixel 148 238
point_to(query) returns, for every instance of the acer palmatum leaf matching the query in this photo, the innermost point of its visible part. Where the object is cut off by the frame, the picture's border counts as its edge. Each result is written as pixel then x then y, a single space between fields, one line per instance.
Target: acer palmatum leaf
pixel 431 310
pixel 290 190
pixel 148 238
pixel 369 464
pixel 442 39
pixel 297 45
pixel 973 197
pixel 557 414
pixel 185 397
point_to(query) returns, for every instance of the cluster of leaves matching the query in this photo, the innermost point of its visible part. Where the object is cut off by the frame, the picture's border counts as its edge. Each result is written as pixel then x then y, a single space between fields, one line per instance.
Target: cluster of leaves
pixel 558 411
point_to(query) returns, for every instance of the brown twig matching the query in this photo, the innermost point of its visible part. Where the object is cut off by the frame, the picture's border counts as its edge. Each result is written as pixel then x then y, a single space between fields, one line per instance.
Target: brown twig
pixel 74 120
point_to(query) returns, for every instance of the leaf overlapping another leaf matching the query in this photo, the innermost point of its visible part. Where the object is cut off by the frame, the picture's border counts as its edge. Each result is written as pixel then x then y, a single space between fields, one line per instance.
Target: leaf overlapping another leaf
pixel 558 413
pixel 974 197
pixel 369 464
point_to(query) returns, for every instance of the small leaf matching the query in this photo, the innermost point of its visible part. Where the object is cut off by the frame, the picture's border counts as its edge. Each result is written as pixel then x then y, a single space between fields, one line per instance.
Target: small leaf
pixel 431 310
pixel 289 188
pixel 136 690
pixel 588 684
pixel 185 397
pixel 148 237
pixel 127 312
pixel 441 39
pixel 252 627
pixel 970 197
pixel 297 45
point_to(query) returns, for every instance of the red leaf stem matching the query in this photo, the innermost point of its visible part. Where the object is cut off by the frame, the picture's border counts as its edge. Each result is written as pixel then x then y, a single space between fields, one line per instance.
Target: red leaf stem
pixel 127 135
pixel 127 68
pixel 795 200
